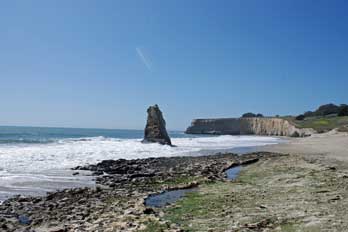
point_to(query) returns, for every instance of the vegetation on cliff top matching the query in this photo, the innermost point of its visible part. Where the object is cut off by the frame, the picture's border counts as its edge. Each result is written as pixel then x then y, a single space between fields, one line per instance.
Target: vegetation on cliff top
pixel 252 115
pixel 328 109
pixel 321 123
pixel 323 119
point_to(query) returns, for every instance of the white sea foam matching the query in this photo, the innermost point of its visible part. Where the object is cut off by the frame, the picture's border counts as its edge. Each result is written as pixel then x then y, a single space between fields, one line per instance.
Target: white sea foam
pixel 69 153
pixel 43 167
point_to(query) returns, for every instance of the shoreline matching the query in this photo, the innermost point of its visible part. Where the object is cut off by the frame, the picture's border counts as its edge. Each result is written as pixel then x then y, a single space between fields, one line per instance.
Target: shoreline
pixel 36 179
pixel 119 196
pixel 118 200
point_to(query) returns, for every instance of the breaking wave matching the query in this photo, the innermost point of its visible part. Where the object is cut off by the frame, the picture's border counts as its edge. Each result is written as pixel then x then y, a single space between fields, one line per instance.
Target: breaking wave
pixel 68 153
pixel 34 168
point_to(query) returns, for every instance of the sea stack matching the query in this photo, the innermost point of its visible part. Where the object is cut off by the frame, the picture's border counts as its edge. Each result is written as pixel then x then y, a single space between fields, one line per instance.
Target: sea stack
pixel 155 130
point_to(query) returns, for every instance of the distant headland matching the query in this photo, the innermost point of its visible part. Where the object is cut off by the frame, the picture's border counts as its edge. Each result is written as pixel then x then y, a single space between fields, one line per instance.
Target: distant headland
pixel 325 118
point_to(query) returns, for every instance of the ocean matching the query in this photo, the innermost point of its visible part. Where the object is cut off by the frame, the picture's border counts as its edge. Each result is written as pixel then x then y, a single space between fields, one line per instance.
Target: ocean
pixel 37 160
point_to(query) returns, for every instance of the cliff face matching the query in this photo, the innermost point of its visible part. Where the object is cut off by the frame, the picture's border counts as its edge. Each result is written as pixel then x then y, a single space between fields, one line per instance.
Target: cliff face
pixel 247 126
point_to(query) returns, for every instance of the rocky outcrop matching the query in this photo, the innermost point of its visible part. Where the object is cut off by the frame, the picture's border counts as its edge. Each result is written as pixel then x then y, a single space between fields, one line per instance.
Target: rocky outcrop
pixel 155 130
pixel 247 126
pixel 117 202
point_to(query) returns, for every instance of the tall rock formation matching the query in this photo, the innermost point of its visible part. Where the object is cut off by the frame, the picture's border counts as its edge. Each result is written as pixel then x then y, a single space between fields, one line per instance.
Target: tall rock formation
pixel 155 130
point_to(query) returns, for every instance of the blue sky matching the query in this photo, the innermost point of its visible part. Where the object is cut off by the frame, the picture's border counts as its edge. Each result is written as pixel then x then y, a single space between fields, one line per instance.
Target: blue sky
pixel 102 63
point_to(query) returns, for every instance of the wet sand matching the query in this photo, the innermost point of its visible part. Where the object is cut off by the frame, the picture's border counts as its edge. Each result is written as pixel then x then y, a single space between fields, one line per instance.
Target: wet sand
pixel 38 184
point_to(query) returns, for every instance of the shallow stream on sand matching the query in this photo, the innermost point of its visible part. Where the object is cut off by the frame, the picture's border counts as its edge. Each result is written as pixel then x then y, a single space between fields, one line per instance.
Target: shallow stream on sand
pixel 167 197
pixel 171 196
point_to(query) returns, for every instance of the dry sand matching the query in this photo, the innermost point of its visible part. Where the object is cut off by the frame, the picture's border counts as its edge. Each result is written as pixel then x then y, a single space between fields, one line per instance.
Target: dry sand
pixel 333 145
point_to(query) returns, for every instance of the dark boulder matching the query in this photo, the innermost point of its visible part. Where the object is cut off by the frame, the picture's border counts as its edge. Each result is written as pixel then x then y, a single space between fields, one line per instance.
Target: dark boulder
pixel 155 130
pixel 295 134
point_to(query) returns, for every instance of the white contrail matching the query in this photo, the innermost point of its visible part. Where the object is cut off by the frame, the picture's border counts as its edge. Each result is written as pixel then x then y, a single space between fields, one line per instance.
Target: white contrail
pixel 146 61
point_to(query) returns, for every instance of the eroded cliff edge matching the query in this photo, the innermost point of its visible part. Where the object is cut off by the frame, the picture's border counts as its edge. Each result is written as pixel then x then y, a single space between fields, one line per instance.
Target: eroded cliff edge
pixel 247 126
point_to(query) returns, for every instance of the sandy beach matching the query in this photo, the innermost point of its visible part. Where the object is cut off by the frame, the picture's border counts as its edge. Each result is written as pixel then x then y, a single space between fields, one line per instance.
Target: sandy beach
pixel 332 144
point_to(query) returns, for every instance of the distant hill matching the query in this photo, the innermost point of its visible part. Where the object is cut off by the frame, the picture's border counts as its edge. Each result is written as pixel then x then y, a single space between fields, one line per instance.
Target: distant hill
pixel 324 118
pixel 329 109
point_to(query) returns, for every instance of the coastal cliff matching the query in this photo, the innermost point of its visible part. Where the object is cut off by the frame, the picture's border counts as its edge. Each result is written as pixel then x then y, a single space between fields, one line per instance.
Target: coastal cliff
pixel 247 126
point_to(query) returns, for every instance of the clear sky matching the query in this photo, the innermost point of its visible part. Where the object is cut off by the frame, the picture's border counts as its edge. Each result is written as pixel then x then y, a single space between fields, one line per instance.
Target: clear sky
pixel 100 63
